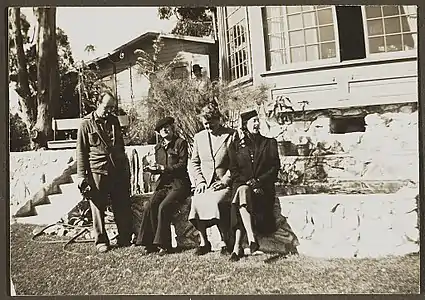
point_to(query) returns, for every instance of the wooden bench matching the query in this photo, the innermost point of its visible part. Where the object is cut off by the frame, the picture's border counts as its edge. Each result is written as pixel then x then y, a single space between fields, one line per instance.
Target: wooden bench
pixel 72 124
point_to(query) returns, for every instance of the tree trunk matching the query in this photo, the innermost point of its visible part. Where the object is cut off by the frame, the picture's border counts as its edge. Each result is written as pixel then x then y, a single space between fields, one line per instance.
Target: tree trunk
pixel 27 101
pixel 47 75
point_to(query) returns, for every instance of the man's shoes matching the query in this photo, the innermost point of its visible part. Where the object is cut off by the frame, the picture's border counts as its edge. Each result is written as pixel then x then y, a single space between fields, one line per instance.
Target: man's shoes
pixel 234 257
pixel 253 246
pixel 224 250
pixel 202 250
pixel 102 248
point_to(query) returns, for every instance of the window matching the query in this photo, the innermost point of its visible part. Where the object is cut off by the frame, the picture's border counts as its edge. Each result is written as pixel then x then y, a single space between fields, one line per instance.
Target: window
pixel 341 125
pixel 391 28
pixel 237 42
pixel 299 33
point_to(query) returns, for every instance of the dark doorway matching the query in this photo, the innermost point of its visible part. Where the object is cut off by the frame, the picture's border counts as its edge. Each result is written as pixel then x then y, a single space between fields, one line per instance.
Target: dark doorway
pixel 351 33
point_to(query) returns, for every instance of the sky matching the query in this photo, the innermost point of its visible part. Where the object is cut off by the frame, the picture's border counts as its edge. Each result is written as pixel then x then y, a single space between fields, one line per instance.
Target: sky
pixel 104 27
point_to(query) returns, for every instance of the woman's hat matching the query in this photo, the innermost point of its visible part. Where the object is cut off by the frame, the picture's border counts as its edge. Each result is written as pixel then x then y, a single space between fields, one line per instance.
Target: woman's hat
pixel 163 122
pixel 248 115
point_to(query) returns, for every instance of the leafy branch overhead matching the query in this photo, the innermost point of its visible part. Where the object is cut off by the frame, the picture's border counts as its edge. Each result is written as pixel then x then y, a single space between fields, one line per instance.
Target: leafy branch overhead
pixel 192 21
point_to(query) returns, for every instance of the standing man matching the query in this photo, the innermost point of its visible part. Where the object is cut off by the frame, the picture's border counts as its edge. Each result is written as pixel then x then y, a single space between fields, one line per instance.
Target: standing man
pixel 202 82
pixel 102 164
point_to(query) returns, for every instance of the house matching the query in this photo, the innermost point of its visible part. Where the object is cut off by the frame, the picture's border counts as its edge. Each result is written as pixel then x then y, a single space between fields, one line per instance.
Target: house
pixel 119 69
pixel 341 64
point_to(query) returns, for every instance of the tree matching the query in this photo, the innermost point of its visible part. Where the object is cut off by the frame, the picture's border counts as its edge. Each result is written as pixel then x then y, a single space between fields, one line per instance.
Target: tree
pixel 34 65
pixel 47 74
pixel 192 21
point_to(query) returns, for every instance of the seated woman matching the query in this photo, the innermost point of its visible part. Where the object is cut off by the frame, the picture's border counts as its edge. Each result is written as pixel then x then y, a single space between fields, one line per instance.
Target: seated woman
pixel 210 170
pixel 173 187
pixel 254 165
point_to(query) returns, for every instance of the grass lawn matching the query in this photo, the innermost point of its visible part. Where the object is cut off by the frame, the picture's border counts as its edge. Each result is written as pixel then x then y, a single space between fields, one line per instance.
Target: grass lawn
pixel 45 269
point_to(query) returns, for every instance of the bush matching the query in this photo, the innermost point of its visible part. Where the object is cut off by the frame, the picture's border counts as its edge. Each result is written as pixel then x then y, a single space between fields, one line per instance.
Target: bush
pixel 19 137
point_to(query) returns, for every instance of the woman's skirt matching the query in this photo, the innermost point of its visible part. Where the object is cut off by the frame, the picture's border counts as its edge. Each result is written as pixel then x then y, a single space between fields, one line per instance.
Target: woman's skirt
pixel 204 206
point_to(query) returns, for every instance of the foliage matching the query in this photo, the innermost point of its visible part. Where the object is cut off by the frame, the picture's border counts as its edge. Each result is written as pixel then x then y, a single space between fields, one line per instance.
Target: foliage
pixel 66 61
pixel 89 87
pixel 192 21
pixel 182 99
pixel 140 131
pixel 19 137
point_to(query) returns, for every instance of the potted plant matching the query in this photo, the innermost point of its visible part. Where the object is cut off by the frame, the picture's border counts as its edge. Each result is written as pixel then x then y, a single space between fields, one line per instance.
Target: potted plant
pixel 303 147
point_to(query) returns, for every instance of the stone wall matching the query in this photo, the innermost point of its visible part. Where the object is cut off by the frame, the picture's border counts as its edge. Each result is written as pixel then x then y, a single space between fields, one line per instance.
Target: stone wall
pixel 388 149
pixel 371 225
pixel 31 170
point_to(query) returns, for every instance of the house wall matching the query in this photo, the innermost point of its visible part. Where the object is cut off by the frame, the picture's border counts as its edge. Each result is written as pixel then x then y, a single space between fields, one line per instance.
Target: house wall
pixel 390 78
pixel 192 53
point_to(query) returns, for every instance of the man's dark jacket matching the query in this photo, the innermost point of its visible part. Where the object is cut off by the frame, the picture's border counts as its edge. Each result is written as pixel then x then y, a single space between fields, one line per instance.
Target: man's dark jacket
pixel 92 153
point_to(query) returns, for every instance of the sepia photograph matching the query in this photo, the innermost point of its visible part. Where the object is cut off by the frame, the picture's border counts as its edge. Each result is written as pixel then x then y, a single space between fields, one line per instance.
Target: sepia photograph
pixel 213 150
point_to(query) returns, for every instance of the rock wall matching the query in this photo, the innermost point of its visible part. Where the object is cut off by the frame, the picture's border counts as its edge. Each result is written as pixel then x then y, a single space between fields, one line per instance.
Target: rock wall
pixel 371 225
pixel 32 170
pixel 387 149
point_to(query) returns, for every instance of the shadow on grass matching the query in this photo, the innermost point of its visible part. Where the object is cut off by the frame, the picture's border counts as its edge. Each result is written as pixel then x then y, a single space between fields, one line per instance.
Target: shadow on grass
pixel 45 269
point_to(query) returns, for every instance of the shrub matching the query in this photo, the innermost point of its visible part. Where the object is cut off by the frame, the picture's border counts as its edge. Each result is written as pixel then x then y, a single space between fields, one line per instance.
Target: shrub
pixel 19 137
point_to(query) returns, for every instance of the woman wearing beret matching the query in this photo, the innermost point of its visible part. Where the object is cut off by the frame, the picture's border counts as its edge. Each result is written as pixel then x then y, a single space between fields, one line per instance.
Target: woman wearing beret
pixel 254 165
pixel 173 187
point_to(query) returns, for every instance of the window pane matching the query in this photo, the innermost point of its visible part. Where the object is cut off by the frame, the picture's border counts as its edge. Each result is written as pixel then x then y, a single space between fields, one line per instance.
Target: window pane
pixel 307 7
pixel 406 25
pixel 376 45
pixel 373 12
pixel 390 10
pixel 313 52
pixel 393 43
pixel 296 38
pixel 297 54
pixel 277 58
pixel 275 27
pixel 311 36
pixel 273 11
pixel 326 33
pixel 392 25
pixel 375 27
pixel 309 19
pixel 275 42
pixel 409 41
pixel 327 50
pixel 325 16
pixel 293 9
pixel 295 22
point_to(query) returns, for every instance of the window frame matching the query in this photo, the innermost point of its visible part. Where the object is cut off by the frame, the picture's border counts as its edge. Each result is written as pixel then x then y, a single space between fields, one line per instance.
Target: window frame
pixel 227 69
pixel 303 64
pixel 391 54
pixel 336 61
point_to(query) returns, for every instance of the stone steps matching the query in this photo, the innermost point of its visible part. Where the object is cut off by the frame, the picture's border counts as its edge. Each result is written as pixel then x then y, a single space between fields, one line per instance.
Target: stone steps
pixel 60 205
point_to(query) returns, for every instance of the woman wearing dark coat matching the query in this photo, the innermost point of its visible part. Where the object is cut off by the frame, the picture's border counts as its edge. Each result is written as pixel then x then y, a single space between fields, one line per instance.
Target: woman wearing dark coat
pixel 173 187
pixel 254 165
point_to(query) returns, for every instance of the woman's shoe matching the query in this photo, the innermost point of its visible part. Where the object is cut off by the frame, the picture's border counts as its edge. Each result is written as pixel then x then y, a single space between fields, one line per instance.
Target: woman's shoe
pixel 163 252
pixel 150 249
pixel 253 246
pixel 234 257
pixel 241 252
pixel 202 250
